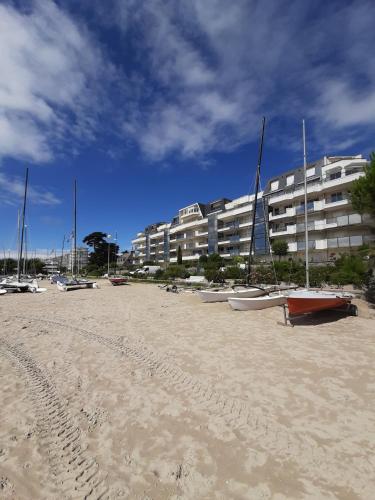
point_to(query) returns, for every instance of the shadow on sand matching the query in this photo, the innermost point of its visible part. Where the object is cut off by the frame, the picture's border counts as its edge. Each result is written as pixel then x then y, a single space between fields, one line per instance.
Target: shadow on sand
pixel 319 318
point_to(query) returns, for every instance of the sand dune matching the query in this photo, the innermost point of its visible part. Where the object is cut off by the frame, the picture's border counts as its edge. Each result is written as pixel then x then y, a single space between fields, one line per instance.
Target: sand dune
pixel 131 392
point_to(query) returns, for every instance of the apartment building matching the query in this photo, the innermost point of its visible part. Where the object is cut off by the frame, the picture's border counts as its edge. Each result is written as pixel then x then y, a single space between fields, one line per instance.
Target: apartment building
pixel 224 226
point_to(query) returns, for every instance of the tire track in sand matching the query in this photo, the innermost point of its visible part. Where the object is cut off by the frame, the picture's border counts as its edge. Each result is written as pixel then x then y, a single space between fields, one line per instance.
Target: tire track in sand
pixel 244 421
pixel 75 472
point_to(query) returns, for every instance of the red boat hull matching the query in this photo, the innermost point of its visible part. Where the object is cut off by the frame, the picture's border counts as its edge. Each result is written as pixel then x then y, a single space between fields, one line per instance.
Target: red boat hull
pixel 118 281
pixel 298 305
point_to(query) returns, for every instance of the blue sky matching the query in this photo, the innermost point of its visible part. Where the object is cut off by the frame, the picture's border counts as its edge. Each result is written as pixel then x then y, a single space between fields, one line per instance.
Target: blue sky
pixel 153 105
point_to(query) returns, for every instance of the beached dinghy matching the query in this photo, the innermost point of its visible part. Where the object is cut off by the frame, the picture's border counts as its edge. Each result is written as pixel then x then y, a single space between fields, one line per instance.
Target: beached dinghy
pixel 118 280
pixel 222 294
pixel 3 292
pixel 75 284
pixel 256 303
pixel 308 301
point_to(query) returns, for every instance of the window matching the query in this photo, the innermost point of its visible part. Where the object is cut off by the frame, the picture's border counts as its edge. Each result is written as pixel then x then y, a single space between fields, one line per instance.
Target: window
pixel 274 185
pixel 335 175
pixel 336 197
pixel 289 180
pixel 310 172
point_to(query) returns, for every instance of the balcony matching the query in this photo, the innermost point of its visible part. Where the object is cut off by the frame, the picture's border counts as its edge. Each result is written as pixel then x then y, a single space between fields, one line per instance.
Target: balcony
pixel 289 212
pixel 283 231
pixel 334 204
pixel 314 187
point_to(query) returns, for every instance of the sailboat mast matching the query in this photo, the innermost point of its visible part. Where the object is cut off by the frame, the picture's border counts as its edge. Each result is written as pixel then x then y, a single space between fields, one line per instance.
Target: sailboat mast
pixel 257 180
pixel 306 227
pixel 62 254
pixel 18 241
pixel 75 230
pixel 22 226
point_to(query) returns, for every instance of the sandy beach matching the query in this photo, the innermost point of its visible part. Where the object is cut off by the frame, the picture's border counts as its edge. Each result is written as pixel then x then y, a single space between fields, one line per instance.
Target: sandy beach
pixel 132 392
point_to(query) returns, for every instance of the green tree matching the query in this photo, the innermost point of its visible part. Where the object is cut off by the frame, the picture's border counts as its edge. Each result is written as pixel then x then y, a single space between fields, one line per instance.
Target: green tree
pixel 363 190
pixel 280 248
pixel 179 255
pixel 8 266
pixel 99 257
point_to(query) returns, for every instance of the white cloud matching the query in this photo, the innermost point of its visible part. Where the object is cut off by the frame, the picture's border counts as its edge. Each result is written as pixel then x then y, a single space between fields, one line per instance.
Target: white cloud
pixel 48 72
pixel 196 76
pixel 12 191
pixel 212 68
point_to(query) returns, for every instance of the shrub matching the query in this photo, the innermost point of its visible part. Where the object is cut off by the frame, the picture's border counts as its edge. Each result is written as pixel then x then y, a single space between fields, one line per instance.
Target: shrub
pixel 234 272
pixel 159 274
pixel 214 275
pixel 370 287
pixel 176 271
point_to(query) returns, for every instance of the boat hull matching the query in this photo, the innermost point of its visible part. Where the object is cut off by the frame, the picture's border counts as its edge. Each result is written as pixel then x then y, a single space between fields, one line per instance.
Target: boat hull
pixel 309 303
pixel 118 281
pixel 67 286
pixel 224 295
pixel 256 303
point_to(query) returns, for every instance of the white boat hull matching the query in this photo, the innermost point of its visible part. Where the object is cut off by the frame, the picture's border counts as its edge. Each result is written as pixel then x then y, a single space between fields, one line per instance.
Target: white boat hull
pixel 256 303
pixel 224 295
pixel 65 287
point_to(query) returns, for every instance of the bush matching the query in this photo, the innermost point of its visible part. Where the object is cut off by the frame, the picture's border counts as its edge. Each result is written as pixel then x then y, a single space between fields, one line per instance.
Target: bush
pixel 262 274
pixel 176 271
pixel 370 287
pixel 234 272
pixel 159 274
pixel 349 269
pixel 214 275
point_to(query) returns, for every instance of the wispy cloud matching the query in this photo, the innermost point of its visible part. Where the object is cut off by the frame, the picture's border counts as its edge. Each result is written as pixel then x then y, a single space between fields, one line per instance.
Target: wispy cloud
pixel 191 78
pixel 49 75
pixel 12 191
pixel 208 70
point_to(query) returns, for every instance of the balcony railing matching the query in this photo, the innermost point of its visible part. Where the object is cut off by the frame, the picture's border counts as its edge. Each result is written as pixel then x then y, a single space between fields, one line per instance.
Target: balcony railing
pixel 346 241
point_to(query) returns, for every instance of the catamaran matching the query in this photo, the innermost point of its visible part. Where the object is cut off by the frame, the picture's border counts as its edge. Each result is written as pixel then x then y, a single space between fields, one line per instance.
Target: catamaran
pixel 17 284
pixel 308 301
pixel 64 284
pixel 244 291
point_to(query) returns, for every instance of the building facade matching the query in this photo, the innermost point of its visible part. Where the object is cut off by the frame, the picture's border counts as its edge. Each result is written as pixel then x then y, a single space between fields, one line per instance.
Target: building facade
pixel 224 226
pixel 333 225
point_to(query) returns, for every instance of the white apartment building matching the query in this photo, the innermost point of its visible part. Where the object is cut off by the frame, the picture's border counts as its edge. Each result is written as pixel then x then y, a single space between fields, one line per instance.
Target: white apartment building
pixel 224 226
pixel 334 227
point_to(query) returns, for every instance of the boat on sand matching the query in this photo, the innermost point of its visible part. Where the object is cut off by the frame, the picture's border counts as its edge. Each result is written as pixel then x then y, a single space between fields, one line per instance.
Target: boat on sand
pixel 309 301
pixel 222 295
pixel 256 303
pixel 118 280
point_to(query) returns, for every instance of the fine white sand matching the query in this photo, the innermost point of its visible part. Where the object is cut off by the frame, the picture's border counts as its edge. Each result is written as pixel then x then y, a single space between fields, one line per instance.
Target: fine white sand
pixel 132 392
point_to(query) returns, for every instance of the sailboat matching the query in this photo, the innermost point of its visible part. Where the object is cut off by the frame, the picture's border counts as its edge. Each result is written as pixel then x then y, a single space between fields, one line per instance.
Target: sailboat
pixel 17 284
pixel 243 291
pixel 64 284
pixel 309 301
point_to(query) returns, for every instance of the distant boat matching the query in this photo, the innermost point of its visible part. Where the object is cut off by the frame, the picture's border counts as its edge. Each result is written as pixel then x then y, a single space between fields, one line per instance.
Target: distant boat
pixel 118 280
pixel 64 284
pixel 309 301
pixel 19 283
pixel 256 303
